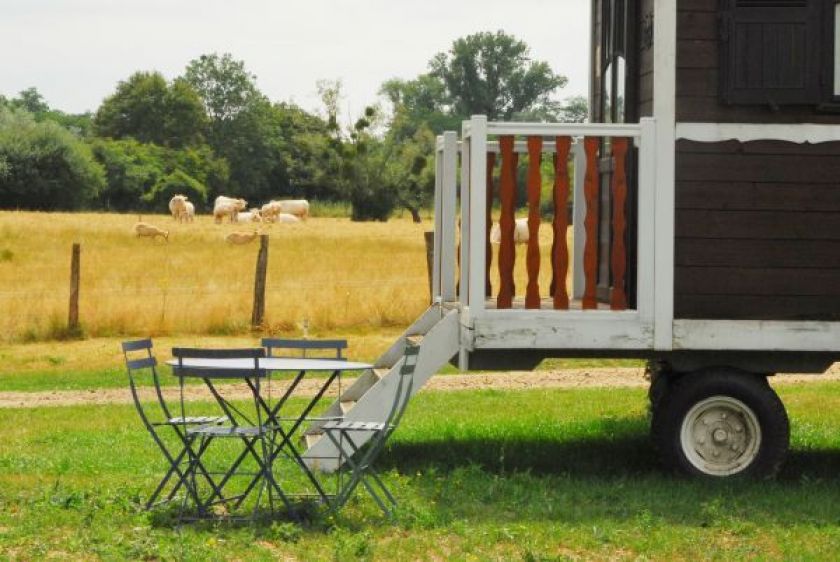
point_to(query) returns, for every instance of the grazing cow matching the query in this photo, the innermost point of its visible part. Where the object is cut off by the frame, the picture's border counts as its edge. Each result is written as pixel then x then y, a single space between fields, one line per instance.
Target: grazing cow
pixel 240 238
pixel 520 232
pixel 227 207
pixel 149 231
pixel 178 207
pixel 189 213
pixel 296 207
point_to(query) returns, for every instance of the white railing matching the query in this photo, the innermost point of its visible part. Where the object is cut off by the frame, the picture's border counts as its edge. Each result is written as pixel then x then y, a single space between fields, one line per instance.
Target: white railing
pixel 482 138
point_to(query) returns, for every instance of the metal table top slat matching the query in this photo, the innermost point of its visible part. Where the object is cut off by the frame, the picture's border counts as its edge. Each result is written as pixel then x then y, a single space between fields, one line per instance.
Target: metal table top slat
pixel 269 364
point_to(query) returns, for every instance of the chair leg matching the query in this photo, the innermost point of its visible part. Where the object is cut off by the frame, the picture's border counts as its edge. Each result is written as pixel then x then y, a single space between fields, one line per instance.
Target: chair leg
pixel 359 470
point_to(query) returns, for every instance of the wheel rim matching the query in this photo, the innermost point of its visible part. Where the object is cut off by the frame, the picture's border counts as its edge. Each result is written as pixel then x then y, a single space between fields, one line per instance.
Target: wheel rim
pixel 720 436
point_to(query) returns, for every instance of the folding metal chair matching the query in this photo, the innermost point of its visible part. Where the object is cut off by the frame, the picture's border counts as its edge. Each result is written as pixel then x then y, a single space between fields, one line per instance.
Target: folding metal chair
pixel 139 361
pixel 359 458
pixel 252 430
pixel 304 347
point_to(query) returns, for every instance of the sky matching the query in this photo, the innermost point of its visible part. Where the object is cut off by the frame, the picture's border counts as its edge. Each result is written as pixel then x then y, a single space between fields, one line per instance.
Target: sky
pixel 75 51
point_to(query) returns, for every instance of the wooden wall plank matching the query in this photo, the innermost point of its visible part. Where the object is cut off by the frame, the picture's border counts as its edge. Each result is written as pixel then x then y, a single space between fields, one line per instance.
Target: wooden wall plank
pixel 768 254
pixel 749 307
pixel 756 281
pixel 764 225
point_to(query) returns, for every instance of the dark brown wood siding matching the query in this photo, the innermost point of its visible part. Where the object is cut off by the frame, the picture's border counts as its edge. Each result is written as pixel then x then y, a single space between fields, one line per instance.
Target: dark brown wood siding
pixel 698 76
pixel 645 58
pixel 757 231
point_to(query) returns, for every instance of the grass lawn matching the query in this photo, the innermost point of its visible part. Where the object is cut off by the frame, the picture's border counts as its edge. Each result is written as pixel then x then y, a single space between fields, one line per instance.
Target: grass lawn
pixel 527 475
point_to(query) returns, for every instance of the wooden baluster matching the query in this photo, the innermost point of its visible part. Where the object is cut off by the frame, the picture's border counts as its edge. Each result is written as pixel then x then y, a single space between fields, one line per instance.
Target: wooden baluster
pixel 559 247
pixel 488 249
pixel 532 261
pixel 507 196
pixel 618 298
pixel 590 250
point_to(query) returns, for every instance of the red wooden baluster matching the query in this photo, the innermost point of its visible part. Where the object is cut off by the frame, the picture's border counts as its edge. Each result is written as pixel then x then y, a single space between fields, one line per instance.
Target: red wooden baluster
pixel 590 250
pixel 532 261
pixel 618 298
pixel 488 249
pixel 507 196
pixel 559 247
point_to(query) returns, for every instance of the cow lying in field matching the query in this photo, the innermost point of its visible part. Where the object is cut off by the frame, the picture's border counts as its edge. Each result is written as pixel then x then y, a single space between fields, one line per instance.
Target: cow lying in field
pixel 240 238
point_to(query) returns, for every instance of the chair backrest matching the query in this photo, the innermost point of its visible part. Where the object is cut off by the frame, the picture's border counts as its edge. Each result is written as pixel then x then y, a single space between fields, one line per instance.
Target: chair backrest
pixel 250 370
pixel 139 358
pixel 305 347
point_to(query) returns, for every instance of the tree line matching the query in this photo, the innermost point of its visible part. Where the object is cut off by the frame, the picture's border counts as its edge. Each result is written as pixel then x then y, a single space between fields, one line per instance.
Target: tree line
pixel 210 131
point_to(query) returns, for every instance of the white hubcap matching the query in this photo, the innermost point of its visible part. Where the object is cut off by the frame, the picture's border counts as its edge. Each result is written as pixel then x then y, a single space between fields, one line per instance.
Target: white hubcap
pixel 720 436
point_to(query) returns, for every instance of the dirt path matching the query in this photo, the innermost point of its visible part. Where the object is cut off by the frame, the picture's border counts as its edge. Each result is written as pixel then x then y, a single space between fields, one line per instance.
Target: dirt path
pixel 571 378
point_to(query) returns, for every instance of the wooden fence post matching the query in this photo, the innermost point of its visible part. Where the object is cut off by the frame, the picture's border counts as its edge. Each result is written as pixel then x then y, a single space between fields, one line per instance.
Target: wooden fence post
pixel 75 274
pixel 430 260
pixel 258 314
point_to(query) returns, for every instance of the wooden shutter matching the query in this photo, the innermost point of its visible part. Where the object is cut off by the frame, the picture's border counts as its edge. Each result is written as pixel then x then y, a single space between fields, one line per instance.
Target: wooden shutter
pixel 771 52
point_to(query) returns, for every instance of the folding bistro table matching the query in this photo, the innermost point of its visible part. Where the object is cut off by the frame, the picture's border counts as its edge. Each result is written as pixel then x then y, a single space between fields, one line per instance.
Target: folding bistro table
pixel 213 370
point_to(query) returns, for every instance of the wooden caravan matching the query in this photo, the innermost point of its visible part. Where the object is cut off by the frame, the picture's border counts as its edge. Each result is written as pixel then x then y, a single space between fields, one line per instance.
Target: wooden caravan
pixel 705 223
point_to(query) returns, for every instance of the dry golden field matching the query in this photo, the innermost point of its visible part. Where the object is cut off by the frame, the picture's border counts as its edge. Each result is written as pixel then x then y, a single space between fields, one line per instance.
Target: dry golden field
pixel 331 273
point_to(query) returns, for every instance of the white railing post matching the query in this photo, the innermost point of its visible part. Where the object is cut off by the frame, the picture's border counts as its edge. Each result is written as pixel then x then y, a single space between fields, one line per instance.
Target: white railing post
pixel 647 216
pixel 478 217
pixel 438 229
pixel 449 218
pixel 578 218
pixel 463 286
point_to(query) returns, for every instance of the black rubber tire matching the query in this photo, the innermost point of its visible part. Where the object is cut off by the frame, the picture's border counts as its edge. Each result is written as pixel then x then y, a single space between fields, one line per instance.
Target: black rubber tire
pixel 660 387
pixel 753 390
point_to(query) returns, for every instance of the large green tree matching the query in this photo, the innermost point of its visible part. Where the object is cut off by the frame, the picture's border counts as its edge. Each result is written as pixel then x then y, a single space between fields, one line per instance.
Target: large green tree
pixel 44 166
pixel 492 74
pixel 148 109
pixel 224 84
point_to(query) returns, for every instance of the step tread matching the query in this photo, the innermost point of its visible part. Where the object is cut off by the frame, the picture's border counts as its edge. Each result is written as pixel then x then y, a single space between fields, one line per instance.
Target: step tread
pixel 347 405
pixel 415 340
pixel 379 373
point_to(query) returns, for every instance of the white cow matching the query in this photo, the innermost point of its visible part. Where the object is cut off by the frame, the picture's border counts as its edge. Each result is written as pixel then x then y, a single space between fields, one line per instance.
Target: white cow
pixel 520 232
pixel 227 207
pixel 178 207
pixel 296 207
pixel 251 216
pixel 286 218
pixel 189 213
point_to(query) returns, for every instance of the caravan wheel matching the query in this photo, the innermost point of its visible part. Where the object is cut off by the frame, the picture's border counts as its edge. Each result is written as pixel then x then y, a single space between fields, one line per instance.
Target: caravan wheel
pixel 723 423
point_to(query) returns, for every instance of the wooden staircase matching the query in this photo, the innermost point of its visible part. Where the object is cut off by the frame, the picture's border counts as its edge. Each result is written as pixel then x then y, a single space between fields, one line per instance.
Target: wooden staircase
pixel 371 396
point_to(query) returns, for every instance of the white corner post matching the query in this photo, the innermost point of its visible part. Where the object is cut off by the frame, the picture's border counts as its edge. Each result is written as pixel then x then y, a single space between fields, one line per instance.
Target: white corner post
pixel 464 282
pixel 449 218
pixel 647 221
pixel 438 232
pixel 478 214
pixel 664 111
